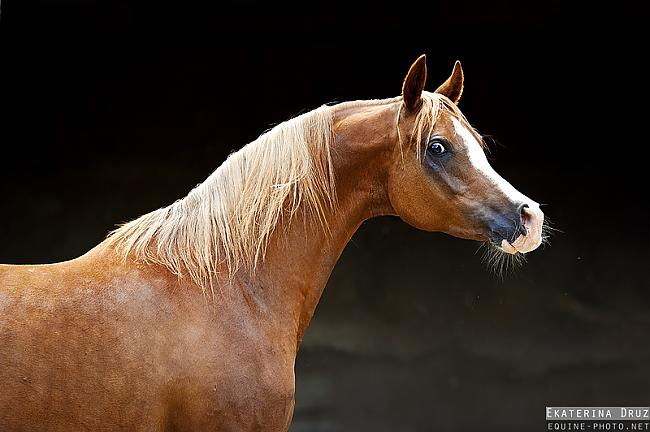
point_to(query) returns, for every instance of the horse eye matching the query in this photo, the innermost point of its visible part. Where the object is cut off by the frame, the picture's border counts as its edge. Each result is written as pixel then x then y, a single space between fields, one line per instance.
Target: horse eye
pixel 436 148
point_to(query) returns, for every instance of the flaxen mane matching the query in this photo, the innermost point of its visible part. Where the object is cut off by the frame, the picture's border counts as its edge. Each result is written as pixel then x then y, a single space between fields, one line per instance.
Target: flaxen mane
pixel 225 222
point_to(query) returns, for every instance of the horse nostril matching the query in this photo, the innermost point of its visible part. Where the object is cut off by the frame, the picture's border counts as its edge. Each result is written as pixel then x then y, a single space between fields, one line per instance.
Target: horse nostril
pixel 524 219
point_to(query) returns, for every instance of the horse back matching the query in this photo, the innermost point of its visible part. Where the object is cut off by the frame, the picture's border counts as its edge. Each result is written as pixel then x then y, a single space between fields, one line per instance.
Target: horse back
pixel 98 343
pixel 75 339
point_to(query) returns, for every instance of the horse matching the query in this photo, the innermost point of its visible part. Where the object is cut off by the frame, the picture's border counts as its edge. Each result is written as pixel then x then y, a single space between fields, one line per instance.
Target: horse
pixel 190 317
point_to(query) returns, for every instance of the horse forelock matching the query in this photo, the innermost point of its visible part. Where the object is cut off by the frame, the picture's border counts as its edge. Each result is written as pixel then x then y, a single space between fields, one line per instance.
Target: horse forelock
pixel 433 106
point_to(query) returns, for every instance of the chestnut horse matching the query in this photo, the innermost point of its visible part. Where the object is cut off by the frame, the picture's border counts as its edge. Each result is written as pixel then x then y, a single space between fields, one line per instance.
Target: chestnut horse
pixel 190 317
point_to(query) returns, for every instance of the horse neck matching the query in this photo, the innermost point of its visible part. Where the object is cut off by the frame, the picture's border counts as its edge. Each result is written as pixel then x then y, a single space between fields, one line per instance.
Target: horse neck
pixel 301 254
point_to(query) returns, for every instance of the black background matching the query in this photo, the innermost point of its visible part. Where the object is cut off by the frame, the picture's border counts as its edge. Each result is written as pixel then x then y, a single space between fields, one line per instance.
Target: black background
pixel 112 109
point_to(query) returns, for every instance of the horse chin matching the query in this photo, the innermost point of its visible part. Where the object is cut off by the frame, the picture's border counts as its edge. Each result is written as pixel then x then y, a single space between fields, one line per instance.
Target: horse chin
pixel 506 247
pixel 523 244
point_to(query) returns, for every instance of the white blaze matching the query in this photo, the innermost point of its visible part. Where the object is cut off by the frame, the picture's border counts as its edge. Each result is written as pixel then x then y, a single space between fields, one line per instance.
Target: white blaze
pixel 479 161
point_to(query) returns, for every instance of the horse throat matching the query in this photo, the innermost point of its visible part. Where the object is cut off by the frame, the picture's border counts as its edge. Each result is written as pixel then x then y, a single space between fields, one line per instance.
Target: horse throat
pixel 301 255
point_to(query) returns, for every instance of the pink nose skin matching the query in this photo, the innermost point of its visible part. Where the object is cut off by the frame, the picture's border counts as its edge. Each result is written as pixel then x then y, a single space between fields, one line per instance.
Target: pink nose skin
pixel 533 219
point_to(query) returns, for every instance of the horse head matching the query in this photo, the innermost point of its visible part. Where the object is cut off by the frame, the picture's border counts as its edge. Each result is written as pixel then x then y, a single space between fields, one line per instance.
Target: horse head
pixel 439 178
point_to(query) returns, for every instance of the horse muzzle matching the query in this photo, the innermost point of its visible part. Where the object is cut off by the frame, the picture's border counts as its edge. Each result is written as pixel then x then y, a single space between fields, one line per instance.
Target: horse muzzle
pixel 519 234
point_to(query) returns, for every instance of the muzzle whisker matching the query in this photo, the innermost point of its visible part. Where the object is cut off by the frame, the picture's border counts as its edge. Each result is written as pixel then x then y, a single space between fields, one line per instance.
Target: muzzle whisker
pixel 498 262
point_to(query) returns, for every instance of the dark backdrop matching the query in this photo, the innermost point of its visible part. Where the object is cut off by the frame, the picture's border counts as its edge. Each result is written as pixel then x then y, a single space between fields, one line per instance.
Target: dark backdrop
pixel 112 109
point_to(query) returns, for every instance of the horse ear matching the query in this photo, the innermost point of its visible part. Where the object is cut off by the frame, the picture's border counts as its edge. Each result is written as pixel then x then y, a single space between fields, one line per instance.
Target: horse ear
pixel 414 83
pixel 453 87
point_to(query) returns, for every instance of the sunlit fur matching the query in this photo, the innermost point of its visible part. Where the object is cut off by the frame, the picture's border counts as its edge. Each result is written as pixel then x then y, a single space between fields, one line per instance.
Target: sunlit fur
pixel 224 223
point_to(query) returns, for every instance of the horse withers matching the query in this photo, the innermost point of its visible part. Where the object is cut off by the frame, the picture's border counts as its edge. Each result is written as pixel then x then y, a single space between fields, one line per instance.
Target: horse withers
pixel 190 317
